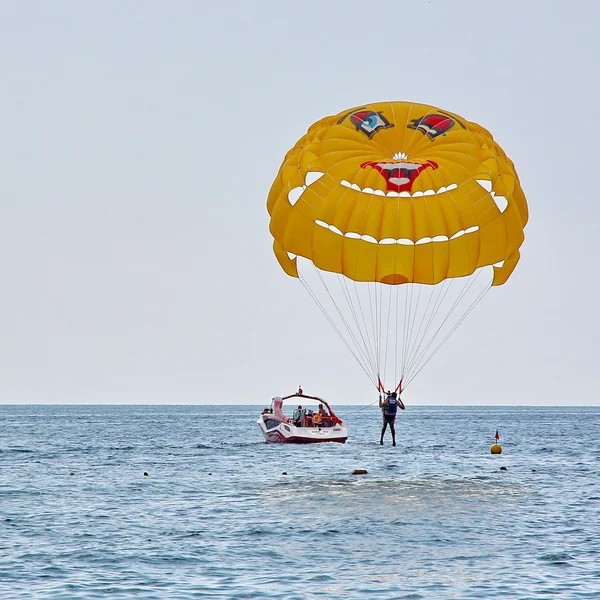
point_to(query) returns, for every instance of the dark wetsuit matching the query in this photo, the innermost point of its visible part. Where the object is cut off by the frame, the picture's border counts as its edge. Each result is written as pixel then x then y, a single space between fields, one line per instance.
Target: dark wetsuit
pixel 389 410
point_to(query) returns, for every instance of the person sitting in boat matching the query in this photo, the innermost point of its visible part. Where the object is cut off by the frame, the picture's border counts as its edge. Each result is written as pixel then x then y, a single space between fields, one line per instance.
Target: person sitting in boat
pixel 298 416
pixel 309 416
pixel 322 417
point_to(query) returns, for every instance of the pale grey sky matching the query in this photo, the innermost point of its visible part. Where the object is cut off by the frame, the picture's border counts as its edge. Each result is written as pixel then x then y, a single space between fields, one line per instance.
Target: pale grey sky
pixel 139 142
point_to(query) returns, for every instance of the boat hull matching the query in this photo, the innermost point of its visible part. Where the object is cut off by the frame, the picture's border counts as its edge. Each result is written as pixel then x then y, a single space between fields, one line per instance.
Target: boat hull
pixel 286 433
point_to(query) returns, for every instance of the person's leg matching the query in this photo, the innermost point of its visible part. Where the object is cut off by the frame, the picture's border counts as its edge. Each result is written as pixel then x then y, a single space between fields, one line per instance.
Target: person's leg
pixel 384 427
pixel 393 430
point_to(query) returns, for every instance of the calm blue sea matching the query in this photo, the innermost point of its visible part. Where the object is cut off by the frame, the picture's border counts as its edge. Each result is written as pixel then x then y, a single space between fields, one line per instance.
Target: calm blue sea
pixel 216 517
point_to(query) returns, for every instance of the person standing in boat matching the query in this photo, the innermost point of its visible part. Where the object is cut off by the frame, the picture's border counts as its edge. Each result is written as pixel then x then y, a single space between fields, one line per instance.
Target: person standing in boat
pixel 389 408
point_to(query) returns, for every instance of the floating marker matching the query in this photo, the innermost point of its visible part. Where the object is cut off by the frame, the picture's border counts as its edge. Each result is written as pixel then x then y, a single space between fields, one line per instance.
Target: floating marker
pixel 359 472
pixel 496 448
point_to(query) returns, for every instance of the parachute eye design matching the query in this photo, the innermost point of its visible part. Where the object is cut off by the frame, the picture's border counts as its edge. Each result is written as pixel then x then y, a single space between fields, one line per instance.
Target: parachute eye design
pixel 432 125
pixel 368 122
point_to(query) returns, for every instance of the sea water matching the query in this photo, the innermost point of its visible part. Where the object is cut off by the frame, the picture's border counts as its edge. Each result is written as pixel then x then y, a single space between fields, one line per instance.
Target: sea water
pixel 221 514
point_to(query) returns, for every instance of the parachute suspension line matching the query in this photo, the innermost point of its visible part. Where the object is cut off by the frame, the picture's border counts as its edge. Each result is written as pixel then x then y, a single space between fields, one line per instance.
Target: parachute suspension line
pixel 473 304
pixel 373 323
pixel 381 356
pixel 418 358
pixel 441 291
pixel 335 327
pixel 406 329
pixel 468 285
pixel 413 320
pixel 362 314
pixel 348 297
pixel 398 328
pixel 397 363
pixel 364 353
pixel 387 333
pixel 418 339
pixel 407 304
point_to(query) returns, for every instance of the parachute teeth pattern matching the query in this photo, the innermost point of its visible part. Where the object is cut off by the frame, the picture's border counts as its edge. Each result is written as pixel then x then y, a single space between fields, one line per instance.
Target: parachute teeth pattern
pixel 394 194
pixel 501 203
pixel 389 241
pixel 313 176
pixel 295 193
pixel 486 184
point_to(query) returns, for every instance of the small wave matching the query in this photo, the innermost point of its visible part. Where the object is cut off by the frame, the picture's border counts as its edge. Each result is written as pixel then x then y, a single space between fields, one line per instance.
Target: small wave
pixel 558 558
pixel 259 531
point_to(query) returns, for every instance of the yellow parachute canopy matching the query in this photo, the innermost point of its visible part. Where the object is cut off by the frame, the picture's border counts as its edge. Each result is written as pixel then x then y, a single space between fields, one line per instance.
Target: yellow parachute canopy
pixel 396 193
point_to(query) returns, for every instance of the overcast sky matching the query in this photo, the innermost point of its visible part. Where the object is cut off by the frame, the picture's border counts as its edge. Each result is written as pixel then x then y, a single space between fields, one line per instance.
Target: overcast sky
pixel 139 141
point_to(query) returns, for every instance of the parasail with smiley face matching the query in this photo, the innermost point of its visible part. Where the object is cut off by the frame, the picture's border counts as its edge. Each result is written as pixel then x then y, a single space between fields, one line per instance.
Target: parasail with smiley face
pixel 397 217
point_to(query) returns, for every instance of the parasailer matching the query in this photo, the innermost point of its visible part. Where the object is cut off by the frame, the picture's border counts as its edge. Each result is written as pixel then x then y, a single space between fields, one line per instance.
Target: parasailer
pixel 397 218
pixel 389 408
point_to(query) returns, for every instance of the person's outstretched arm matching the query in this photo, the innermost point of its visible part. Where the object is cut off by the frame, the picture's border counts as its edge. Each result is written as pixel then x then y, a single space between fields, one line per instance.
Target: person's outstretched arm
pixel 400 403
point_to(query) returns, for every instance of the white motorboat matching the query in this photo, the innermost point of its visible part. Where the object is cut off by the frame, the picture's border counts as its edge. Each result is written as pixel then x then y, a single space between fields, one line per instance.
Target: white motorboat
pixel 321 426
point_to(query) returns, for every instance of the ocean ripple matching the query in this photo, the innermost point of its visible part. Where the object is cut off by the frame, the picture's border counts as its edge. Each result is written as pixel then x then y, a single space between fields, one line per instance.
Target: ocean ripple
pixel 216 518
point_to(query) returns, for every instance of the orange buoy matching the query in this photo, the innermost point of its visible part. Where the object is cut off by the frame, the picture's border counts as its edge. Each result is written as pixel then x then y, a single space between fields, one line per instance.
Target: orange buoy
pixel 359 472
pixel 496 448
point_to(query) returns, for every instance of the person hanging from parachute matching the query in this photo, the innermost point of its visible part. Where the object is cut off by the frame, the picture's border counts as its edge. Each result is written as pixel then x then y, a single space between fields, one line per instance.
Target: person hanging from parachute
pixel 389 408
pixel 397 218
